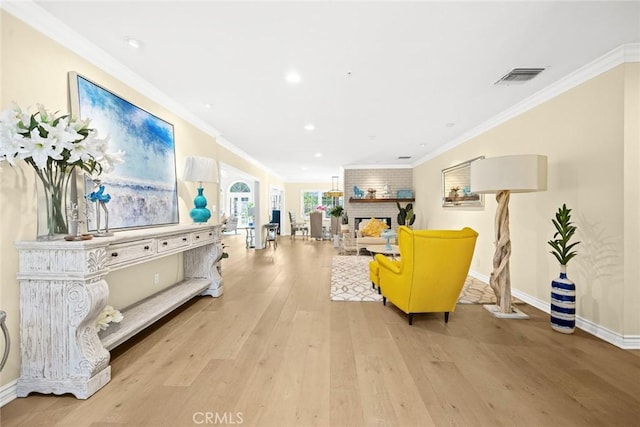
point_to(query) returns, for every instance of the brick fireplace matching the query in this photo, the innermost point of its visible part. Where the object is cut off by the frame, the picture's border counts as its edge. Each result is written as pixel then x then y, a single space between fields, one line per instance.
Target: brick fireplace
pixel 396 179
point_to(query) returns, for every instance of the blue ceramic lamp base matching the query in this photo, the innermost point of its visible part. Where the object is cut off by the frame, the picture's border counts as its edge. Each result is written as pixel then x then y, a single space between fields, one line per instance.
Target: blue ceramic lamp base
pixel 200 213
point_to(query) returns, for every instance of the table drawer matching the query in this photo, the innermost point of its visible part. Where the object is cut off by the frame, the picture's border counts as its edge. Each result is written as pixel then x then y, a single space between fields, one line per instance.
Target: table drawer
pixel 124 252
pixel 172 242
pixel 202 236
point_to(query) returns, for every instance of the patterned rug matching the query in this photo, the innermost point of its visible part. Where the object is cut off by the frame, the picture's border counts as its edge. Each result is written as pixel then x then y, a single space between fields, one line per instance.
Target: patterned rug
pixel 350 282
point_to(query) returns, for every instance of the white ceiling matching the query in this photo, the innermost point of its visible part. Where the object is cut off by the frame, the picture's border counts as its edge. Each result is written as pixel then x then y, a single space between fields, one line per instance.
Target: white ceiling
pixel 379 79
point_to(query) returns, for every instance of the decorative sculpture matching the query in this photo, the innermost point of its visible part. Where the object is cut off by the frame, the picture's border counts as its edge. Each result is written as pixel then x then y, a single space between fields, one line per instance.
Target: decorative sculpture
pixel 358 193
pixel 101 199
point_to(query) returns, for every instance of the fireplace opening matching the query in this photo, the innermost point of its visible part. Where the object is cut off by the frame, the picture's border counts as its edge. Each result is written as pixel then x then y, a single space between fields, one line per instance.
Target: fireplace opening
pixel 357 220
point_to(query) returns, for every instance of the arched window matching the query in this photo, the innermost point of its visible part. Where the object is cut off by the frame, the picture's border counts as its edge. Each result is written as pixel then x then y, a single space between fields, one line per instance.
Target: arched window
pixel 241 202
pixel 239 187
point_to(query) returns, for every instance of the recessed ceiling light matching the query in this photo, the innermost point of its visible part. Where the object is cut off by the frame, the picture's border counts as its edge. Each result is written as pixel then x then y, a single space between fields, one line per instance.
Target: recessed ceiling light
pixel 317 155
pixel 208 105
pixel 309 127
pixel 423 145
pixel 404 157
pixel 133 43
pixel 304 168
pixel 293 77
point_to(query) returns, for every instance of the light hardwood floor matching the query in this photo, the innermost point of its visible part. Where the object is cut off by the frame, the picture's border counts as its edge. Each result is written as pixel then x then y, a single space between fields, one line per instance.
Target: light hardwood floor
pixel 275 351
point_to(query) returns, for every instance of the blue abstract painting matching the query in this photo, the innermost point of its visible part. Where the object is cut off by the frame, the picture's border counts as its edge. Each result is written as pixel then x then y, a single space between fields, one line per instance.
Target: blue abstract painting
pixel 143 187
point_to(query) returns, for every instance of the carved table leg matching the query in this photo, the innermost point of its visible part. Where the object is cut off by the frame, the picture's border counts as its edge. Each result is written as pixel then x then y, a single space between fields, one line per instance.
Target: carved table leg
pixel 200 263
pixel 61 351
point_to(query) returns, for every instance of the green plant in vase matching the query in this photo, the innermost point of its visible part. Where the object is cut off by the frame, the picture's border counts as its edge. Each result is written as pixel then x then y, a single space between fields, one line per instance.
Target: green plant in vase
pixel 336 211
pixel 563 290
pixel 406 215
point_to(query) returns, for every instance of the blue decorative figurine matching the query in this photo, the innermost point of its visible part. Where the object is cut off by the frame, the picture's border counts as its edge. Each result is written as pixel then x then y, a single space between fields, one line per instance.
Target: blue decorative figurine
pixel 101 199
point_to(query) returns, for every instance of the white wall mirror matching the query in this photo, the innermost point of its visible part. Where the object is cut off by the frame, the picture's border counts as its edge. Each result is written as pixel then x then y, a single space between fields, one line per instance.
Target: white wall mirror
pixel 456 186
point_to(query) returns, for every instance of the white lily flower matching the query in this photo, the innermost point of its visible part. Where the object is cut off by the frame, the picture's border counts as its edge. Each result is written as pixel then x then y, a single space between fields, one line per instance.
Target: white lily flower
pixel 41 149
pixel 79 151
pixel 62 133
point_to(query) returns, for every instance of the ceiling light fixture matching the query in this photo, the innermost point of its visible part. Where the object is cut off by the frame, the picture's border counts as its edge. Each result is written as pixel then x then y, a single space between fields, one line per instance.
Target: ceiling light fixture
pixel 293 77
pixel 317 155
pixel 208 106
pixel 133 43
pixel 309 127
pixel 335 191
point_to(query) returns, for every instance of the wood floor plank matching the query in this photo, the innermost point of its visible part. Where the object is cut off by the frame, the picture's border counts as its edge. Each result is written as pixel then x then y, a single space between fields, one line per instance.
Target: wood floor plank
pixel 275 351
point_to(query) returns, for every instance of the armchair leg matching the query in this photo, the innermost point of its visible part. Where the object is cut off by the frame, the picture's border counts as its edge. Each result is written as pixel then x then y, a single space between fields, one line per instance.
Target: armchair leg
pixel 446 317
pixel 384 300
pixel 410 318
pixel 373 285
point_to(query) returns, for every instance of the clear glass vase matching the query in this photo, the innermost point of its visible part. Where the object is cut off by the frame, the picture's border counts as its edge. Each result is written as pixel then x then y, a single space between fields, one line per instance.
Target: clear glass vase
pixel 53 202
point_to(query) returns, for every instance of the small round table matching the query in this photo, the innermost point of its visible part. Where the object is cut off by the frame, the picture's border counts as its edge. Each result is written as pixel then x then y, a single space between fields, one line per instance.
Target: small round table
pixel 392 251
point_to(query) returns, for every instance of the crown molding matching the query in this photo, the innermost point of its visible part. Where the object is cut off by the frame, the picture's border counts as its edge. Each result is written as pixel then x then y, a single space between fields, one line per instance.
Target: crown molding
pixel 42 21
pixel 626 53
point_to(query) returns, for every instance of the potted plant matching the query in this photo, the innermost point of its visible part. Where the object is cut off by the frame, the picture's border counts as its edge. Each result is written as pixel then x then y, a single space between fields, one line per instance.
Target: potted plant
pixel 336 213
pixel 406 215
pixel 563 290
pixel 344 228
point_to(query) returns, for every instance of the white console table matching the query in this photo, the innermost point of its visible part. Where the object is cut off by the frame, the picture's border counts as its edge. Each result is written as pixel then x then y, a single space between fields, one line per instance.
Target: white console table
pixel 63 289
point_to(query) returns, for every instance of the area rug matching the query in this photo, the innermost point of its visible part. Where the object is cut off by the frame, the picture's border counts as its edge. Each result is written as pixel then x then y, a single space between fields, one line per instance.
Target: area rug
pixel 350 282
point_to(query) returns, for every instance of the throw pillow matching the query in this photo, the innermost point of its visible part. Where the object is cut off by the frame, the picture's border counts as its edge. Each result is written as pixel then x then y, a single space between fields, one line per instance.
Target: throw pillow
pixel 373 228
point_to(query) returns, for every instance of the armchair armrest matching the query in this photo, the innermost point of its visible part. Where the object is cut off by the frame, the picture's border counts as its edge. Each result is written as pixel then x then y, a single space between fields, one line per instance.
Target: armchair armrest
pixel 388 264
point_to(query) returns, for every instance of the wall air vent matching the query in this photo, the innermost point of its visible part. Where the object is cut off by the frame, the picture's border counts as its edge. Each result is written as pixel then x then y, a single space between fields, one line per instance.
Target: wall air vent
pixel 404 157
pixel 519 75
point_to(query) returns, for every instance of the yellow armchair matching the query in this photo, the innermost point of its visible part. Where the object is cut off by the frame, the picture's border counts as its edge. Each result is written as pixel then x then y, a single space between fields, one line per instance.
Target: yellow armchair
pixel 431 272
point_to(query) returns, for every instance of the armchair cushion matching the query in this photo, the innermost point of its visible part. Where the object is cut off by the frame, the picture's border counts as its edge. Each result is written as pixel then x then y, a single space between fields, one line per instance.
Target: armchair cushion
pixel 373 228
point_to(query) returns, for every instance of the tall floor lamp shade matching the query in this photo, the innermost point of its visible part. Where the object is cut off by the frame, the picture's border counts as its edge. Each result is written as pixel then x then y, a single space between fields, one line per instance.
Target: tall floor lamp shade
pixel 505 175
pixel 200 169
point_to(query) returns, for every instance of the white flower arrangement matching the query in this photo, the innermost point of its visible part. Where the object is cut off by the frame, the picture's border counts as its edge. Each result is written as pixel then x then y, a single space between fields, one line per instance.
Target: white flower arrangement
pixel 108 315
pixel 47 141
pixel 54 146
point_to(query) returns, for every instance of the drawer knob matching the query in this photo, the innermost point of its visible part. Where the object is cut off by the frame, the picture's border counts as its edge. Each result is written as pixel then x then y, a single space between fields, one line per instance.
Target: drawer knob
pixel 184 239
pixel 197 237
pixel 165 243
pixel 210 234
pixel 114 254
pixel 146 248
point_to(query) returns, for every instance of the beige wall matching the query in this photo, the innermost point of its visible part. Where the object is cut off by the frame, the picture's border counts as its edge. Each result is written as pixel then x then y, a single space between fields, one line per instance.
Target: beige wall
pixel 590 135
pixel 33 69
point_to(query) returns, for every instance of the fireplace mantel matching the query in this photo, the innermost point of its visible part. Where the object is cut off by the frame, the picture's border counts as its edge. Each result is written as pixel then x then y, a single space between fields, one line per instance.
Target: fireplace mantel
pixel 364 200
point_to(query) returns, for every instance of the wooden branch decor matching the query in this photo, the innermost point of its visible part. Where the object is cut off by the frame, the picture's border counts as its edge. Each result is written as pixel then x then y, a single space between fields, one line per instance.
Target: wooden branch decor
pixel 500 280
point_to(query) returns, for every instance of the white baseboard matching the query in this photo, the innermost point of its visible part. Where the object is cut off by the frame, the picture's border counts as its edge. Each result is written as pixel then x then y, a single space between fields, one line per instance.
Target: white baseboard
pixel 8 392
pixel 626 342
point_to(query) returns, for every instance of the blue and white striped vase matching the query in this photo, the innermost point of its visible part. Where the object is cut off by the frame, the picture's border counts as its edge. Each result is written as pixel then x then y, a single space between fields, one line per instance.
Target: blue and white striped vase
pixel 563 303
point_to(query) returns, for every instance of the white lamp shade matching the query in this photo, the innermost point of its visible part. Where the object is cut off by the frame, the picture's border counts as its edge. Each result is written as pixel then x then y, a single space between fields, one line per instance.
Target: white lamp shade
pixel 519 174
pixel 200 169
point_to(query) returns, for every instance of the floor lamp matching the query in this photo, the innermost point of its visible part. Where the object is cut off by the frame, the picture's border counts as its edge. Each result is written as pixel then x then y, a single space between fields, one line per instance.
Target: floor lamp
pixel 503 176
pixel 200 169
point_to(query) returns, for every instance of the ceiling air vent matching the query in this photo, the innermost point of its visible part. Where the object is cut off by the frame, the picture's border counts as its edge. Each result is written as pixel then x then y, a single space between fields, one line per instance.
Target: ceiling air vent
pixel 404 157
pixel 519 75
